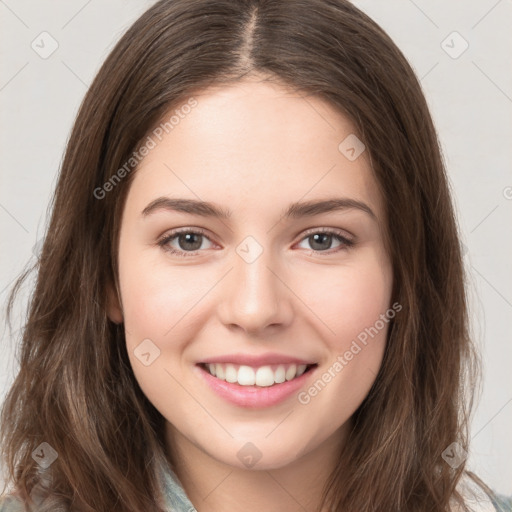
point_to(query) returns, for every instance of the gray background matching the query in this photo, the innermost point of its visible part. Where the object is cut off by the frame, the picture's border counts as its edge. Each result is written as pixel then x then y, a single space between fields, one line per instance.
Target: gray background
pixel 470 98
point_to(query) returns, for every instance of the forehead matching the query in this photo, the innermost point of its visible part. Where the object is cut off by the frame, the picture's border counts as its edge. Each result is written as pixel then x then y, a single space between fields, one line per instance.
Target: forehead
pixel 254 141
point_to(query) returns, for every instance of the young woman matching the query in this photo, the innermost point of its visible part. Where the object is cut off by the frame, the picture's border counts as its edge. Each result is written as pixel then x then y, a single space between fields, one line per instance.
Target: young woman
pixel 309 350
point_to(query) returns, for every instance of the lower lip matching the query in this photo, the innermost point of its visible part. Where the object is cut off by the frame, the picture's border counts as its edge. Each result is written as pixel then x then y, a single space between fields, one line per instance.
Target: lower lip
pixel 254 397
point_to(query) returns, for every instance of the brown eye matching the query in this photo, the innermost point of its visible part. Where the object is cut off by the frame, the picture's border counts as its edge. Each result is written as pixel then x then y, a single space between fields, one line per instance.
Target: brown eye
pixel 321 241
pixel 186 242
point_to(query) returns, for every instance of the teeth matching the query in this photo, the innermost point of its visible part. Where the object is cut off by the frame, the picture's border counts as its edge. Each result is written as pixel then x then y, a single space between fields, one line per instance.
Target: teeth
pixel 280 375
pixel 263 376
pixel 291 372
pixel 219 372
pixel 246 376
pixel 231 373
pixel 301 369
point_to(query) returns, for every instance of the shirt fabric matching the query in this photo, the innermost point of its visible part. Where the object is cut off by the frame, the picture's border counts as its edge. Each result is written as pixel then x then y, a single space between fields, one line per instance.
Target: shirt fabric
pixel 176 499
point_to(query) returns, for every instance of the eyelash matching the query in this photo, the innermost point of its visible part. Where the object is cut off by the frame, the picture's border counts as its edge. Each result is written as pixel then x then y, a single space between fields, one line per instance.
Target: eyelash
pixel 346 243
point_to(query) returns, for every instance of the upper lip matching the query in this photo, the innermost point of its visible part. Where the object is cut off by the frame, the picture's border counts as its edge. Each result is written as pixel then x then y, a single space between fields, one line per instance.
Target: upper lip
pixel 260 360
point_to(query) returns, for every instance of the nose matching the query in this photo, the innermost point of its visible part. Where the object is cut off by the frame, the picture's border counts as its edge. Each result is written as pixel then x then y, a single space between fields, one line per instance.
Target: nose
pixel 255 296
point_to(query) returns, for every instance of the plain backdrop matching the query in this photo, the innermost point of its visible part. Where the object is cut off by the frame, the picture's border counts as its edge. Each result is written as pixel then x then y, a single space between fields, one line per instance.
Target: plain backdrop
pixel 460 50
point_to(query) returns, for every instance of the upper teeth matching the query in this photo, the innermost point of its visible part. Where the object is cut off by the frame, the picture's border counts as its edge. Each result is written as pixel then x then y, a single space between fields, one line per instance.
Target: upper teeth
pixel 261 376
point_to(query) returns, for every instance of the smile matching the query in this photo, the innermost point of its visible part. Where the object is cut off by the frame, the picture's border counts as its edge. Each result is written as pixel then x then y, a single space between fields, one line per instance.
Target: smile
pixel 254 387
pixel 263 376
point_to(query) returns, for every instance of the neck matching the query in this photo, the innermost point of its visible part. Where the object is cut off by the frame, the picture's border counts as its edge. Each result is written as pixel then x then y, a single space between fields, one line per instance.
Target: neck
pixel 213 486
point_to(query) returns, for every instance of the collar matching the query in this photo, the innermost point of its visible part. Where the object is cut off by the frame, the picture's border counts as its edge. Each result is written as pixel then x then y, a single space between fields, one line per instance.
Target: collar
pixel 175 498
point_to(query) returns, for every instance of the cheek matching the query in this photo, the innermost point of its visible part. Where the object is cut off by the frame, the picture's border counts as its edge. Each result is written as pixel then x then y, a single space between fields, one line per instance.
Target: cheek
pixel 159 320
pixel 350 300
pixel 152 308
pixel 356 308
pixel 155 298
pixel 354 313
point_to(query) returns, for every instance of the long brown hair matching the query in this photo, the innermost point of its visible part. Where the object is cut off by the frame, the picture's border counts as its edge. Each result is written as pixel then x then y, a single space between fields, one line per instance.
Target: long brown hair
pixel 75 389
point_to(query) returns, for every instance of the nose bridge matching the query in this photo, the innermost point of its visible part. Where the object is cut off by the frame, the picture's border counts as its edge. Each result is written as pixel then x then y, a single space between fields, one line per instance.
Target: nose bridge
pixel 256 297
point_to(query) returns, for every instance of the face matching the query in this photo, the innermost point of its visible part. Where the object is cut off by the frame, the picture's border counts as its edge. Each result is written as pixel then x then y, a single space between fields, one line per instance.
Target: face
pixel 292 300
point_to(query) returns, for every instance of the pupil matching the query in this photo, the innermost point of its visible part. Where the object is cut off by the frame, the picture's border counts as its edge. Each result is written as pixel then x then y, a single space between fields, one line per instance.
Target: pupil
pixel 324 236
pixel 188 237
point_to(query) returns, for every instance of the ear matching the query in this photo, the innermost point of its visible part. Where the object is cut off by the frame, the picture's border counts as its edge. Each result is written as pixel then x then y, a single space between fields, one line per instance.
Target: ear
pixel 114 310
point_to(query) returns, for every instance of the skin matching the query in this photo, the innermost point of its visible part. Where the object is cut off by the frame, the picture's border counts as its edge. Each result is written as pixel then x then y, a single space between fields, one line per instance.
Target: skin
pixel 254 147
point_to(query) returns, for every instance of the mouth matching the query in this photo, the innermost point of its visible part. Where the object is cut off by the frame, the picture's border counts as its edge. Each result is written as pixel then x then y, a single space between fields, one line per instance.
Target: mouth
pixel 252 387
pixel 256 377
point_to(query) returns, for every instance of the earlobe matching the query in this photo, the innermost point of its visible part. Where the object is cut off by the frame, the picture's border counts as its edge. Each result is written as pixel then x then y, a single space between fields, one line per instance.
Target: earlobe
pixel 114 311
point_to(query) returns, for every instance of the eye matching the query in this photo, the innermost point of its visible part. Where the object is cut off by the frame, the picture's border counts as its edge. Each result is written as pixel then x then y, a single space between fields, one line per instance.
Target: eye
pixel 189 241
pixel 321 238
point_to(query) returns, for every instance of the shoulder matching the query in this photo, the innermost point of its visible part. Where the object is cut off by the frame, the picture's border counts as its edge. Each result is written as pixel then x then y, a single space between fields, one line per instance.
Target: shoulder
pixel 480 498
pixel 502 503
pixel 11 503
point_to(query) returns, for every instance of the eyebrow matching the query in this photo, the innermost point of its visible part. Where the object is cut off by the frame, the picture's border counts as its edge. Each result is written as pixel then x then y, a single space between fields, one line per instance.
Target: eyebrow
pixel 294 210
